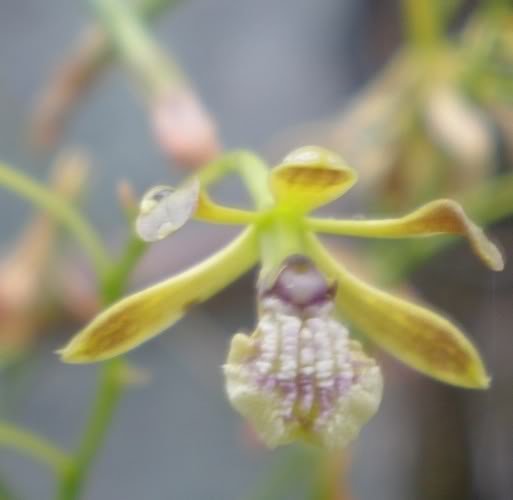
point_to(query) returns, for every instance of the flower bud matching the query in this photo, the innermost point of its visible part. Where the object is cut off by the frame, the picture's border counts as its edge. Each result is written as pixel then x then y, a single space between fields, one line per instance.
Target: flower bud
pixel 184 130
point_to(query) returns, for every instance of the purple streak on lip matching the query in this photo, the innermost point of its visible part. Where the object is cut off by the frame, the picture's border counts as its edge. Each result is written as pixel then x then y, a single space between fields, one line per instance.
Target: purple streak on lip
pixel 301 284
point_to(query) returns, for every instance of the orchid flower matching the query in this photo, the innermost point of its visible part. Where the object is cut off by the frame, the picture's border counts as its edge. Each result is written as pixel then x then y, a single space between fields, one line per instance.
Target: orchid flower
pixel 299 375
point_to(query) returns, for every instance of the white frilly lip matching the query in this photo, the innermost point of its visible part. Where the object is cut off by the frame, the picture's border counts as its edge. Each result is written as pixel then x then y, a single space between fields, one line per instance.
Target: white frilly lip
pixel 302 377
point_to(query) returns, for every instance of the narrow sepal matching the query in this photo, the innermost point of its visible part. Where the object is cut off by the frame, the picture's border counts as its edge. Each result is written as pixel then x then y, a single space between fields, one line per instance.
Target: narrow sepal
pixel 141 316
pixel 415 335
pixel 437 217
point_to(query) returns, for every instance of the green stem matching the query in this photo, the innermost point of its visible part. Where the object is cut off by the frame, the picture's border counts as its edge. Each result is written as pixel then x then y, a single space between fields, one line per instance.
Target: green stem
pixel 109 393
pixel 62 211
pixel 297 462
pixel 110 385
pixel 116 281
pixel 149 9
pixel 253 172
pixel 156 70
pixel 6 491
pixel 35 446
pixel 423 23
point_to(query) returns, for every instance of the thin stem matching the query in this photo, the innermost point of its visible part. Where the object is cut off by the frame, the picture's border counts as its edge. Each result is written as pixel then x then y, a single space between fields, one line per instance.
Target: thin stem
pixel 116 281
pixel 110 385
pixel 37 447
pixel 152 8
pixel 255 176
pixel 80 70
pixel 156 70
pixel 252 170
pixel 296 462
pixel 6 491
pixel 61 210
pixel 109 393
pixel 422 22
pixel 332 481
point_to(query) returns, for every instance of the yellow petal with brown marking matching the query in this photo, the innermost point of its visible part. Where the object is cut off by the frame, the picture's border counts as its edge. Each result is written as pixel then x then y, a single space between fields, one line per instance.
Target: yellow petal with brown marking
pixel 141 316
pixel 437 217
pixel 415 335
pixel 310 177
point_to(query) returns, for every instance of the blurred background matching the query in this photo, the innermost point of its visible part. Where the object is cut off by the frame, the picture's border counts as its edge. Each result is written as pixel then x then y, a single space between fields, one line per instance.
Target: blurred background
pixel 422 110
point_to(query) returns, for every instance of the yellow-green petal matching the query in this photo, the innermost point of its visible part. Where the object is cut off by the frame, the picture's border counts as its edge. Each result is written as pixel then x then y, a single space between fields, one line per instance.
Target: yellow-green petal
pixel 437 217
pixel 141 316
pixel 413 334
pixel 310 177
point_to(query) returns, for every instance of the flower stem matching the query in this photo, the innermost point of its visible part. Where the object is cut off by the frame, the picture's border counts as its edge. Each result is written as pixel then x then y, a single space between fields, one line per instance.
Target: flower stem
pixel 423 23
pixel 109 393
pixel 297 462
pixel 62 211
pixel 155 70
pixel 251 169
pixel 332 483
pixel 39 448
pixel 6 491
pixel 116 281
pixel 110 386
pixel 151 8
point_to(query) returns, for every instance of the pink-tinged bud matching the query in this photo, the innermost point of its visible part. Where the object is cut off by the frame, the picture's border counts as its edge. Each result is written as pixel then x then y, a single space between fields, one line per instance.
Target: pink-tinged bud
pixel 184 130
pixel 127 197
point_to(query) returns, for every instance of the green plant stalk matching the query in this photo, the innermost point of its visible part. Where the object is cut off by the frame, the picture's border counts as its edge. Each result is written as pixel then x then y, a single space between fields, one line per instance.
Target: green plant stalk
pixel 110 385
pixel 145 9
pixel 250 168
pixel 6 492
pixel 149 9
pixel 110 388
pixel 62 211
pixel 156 70
pixel 116 281
pixel 423 23
pixel 297 462
pixel 37 447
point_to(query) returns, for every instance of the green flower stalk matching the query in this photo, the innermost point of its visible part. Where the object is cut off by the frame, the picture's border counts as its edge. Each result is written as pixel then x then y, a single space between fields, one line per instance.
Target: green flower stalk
pixel 299 375
pixel 182 126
